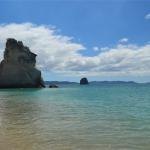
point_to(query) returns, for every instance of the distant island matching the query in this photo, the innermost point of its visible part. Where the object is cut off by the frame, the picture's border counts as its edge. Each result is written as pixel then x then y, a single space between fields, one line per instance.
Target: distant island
pixel 59 82
pixel 92 82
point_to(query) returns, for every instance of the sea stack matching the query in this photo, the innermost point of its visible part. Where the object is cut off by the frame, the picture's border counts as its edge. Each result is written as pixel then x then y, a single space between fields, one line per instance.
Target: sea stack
pixel 18 69
pixel 84 81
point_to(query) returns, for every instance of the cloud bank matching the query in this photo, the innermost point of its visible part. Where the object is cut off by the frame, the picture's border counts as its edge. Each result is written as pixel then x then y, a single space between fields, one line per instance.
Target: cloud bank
pixel 58 54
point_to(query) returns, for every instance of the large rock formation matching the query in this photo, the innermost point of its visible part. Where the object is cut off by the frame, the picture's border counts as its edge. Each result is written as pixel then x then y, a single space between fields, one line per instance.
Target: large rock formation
pixel 84 81
pixel 18 69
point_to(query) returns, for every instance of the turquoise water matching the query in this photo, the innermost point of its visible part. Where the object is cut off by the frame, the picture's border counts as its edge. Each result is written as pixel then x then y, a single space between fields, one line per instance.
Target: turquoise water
pixel 75 118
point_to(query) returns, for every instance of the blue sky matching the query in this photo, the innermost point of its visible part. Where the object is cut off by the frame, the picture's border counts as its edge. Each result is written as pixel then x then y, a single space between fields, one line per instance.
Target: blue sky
pixel 100 40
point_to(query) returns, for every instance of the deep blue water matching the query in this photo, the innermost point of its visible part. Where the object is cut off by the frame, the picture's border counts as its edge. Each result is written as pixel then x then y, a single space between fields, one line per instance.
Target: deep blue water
pixel 75 118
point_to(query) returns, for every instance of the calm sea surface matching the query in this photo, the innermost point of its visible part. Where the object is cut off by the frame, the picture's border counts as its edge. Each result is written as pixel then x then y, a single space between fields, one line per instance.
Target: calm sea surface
pixel 75 118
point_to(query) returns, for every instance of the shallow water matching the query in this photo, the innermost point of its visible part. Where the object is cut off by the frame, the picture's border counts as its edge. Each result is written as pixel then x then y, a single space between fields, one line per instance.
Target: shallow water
pixel 75 118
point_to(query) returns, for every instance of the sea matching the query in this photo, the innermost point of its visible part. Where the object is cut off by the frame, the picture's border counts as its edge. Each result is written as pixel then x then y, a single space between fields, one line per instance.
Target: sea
pixel 76 117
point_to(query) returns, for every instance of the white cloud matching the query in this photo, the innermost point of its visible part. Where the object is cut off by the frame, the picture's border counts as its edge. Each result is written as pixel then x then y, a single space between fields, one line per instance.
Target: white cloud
pixel 52 27
pixel 123 40
pixel 147 16
pixel 58 54
pixel 129 46
pixel 95 48
pixel 59 30
pixel 104 48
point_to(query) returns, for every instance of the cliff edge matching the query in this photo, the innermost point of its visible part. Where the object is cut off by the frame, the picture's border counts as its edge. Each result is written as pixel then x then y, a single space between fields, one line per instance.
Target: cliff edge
pixel 18 69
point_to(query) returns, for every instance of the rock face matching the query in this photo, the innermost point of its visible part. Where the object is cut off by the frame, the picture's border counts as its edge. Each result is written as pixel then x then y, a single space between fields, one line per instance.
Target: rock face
pixel 18 69
pixel 53 86
pixel 84 81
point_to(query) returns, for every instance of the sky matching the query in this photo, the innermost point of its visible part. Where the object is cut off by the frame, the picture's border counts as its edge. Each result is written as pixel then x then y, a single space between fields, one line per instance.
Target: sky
pixel 97 39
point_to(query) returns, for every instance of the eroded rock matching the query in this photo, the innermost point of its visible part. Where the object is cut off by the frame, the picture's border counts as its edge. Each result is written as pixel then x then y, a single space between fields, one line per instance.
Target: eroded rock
pixel 18 69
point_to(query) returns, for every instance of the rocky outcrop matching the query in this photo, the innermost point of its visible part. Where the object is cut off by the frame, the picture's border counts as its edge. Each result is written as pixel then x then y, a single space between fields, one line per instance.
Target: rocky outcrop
pixel 84 81
pixel 53 86
pixel 18 69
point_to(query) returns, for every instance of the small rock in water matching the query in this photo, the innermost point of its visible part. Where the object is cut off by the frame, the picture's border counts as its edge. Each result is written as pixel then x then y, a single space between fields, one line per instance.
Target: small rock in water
pixel 53 86
pixel 84 81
